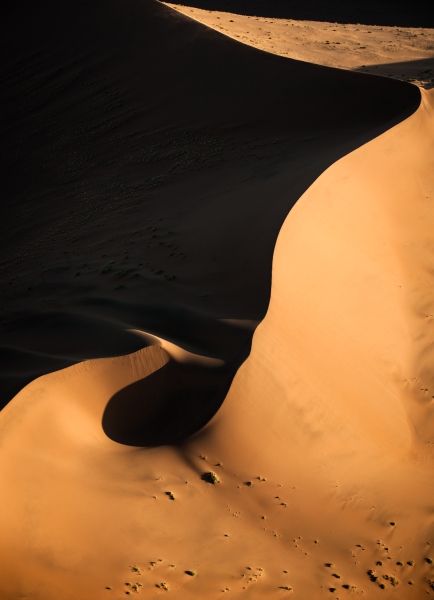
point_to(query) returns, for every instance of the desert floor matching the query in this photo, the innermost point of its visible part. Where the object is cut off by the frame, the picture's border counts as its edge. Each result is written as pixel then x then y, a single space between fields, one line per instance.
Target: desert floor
pixel 216 323
pixel 405 53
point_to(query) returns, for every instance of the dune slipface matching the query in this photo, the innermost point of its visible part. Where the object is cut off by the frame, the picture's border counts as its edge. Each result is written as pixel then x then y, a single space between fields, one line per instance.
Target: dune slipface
pixel 129 474
pixel 142 155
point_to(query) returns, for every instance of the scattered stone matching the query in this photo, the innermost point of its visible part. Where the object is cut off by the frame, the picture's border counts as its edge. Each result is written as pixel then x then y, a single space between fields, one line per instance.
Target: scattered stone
pixel 162 586
pixel 210 477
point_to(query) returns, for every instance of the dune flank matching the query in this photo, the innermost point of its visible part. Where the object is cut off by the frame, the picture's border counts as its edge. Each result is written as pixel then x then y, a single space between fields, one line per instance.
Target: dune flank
pixel 202 461
pixel 322 447
pixel 137 145
pixel 404 53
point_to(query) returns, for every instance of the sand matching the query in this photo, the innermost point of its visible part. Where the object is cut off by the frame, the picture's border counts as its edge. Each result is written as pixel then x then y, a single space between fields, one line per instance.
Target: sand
pixel 405 53
pixel 317 428
pixel 118 197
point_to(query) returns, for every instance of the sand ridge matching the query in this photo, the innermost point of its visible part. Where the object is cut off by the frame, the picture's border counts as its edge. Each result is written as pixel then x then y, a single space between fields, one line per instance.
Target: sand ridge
pixel 118 196
pixel 405 53
pixel 319 444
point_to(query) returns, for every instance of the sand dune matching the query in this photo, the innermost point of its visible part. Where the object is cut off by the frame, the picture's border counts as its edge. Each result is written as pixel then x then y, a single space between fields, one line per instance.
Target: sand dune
pixel 319 444
pixel 135 141
pixel 404 53
pixel 368 12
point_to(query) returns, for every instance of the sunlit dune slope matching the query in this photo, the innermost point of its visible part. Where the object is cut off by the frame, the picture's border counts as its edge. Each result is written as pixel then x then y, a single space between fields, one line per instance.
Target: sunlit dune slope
pixel 148 164
pixel 130 474
pixel 405 53
pixel 322 448
pixel 336 399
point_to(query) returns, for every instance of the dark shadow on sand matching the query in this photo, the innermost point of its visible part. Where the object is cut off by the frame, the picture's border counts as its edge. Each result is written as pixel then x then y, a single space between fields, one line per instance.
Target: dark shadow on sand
pixel 127 127
pixel 167 406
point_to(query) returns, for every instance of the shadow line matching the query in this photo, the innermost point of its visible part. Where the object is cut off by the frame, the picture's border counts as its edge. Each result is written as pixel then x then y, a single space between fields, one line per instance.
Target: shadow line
pixel 166 407
pixel 415 71
pixel 149 163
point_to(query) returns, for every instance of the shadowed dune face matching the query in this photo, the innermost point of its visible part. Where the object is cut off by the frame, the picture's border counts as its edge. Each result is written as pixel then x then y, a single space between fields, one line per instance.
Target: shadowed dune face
pixel 322 450
pixel 134 141
pixel 167 406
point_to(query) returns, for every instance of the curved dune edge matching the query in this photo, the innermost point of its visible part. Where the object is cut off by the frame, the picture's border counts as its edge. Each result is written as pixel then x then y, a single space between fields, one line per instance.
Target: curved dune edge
pixel 339 381
pixel 177 353
pixel 404 53
pixel 144 139
pixel 84 513
pixel 329 419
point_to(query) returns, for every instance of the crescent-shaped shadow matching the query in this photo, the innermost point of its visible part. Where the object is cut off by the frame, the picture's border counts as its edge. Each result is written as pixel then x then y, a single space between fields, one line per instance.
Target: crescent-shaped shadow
pixel 169 405
pixel 149 163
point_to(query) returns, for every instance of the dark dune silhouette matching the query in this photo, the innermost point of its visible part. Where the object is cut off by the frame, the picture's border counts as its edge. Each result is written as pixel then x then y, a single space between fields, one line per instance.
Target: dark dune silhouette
pixel 161 178
pixel 136 145
pixel 167 406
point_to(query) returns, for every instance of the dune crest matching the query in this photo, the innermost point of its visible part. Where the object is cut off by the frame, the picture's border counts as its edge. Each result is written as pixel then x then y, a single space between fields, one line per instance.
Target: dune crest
pixel 404 53
pixel 176 352
pixel 338 382
pixel 321 447
pixel 307 471
pixel 135 141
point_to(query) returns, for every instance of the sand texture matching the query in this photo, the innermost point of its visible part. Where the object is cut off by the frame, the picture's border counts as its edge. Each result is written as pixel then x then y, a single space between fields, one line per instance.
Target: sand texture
pixel 404 53
pixel 216 323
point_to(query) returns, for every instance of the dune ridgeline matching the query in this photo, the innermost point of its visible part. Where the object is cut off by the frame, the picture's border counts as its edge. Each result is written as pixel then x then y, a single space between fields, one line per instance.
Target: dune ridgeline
pixel 216 322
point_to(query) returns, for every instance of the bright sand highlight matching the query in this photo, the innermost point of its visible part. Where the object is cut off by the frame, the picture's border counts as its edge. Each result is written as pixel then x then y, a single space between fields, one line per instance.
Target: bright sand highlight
pixel 321 450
